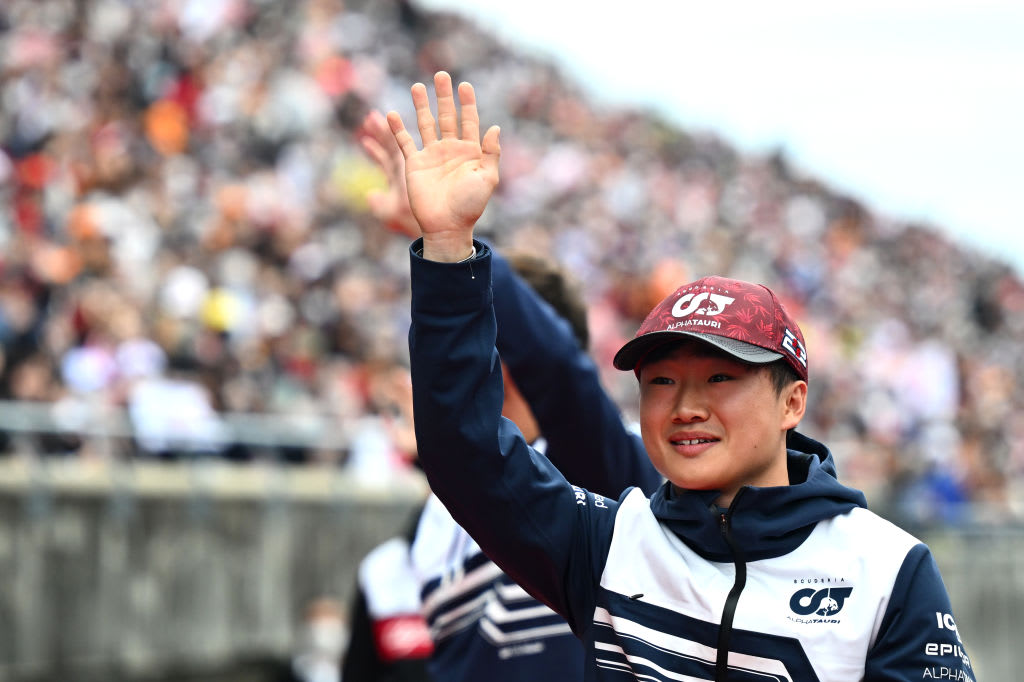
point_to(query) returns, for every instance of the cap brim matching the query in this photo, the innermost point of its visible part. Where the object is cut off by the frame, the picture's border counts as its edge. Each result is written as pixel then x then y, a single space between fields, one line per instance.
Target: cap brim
pixel 634 351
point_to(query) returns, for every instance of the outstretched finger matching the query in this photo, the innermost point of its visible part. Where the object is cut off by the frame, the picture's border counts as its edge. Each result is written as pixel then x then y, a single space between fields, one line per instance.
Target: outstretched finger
pixel 402 136
pixel 491 148
pixel 379 129
pixel 424 119
pixel 375 126
pixel 376 152
pixel 470 116
pixel 447 119
pixel 386 152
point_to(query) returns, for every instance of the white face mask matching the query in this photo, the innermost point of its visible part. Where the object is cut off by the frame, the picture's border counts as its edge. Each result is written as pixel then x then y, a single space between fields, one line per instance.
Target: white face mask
pixel 327 637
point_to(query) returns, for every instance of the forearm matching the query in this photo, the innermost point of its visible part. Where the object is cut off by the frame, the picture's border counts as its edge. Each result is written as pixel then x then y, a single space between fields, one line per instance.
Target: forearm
pixel 477 463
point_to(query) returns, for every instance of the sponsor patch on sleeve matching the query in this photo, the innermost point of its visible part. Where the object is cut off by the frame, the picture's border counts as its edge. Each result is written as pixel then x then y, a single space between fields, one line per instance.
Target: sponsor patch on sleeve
pixel 582 497
pixel 402 637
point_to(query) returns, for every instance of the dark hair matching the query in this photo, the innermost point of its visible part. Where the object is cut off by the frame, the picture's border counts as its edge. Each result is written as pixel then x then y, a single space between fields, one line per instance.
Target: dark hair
pixel 781 375
pixel 556 287
pixel 779 372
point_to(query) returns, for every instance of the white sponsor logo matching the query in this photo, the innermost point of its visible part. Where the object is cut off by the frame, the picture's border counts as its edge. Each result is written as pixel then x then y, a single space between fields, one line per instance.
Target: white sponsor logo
pixel 581 497
pixel 946 622
pixel 520 650
pixel 945 649
pixel 795 348
pixel 943 673
pixel 694 323
pixel 716 305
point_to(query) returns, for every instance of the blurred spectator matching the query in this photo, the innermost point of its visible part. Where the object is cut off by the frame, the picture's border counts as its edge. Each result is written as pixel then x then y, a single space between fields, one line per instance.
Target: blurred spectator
pixel 323 638
pixel 173 417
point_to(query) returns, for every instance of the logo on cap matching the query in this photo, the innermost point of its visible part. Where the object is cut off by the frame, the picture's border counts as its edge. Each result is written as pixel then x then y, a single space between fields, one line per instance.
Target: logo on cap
pixel 794 346
pixel 695 301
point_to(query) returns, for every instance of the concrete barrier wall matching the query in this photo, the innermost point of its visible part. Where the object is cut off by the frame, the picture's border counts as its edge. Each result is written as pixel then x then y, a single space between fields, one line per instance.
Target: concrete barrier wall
pixel 114 573
pixel 123 575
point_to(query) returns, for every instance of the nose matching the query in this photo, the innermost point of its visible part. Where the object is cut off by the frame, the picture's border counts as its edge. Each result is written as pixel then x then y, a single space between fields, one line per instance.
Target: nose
pixel 691 405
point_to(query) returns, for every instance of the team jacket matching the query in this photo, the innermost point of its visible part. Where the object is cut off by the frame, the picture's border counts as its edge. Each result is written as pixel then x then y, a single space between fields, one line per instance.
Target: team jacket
pixel 390 641
pixel 797 582
pixel 484 626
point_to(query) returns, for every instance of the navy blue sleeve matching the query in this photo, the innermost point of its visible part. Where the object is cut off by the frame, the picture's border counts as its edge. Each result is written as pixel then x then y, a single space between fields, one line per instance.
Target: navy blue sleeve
pixel 918 638
pixel 549 536
pixel 586 437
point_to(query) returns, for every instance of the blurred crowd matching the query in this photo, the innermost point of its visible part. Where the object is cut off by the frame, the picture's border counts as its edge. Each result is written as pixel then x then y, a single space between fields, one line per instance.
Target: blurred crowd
pixel 186 236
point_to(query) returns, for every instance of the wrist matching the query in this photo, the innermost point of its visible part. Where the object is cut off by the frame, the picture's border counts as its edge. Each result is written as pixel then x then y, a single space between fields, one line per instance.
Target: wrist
pixel 448 250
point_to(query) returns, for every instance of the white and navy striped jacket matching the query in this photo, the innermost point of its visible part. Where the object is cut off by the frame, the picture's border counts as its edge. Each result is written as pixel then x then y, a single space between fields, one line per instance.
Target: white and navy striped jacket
pixel 798 582
pixel 484 625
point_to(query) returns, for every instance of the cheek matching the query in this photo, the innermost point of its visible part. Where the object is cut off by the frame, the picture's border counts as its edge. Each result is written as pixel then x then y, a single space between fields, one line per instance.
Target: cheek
pixel 646 435
pixel 648 422
pixel 650 418
pixel 655 455
pixel 653 404
pixel 643 404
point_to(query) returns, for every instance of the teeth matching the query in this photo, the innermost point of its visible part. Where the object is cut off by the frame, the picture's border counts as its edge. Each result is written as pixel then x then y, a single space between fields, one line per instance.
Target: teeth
pixel 694 441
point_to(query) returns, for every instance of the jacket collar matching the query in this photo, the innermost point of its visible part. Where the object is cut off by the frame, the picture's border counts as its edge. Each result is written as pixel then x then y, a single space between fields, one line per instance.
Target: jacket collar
pixel 764 522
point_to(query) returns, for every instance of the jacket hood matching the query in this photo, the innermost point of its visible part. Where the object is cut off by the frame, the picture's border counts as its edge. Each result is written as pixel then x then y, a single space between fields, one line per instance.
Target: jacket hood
pixel 764 522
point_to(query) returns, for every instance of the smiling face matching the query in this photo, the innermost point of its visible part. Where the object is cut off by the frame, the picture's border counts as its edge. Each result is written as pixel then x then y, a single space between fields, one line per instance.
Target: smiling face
pixel 711 422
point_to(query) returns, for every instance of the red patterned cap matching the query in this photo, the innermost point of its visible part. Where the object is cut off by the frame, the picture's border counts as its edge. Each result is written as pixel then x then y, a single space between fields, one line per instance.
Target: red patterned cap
pixel 745 320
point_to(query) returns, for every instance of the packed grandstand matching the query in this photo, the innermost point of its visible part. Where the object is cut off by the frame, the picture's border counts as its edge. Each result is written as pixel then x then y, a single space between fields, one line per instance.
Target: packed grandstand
pixel 185 234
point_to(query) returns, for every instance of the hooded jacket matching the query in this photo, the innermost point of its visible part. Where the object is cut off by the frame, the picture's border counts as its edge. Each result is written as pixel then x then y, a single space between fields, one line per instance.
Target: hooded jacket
pixel 798 582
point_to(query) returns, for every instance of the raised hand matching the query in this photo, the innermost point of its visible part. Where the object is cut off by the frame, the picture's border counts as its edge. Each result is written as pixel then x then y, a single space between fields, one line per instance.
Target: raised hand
pixel 452 178
pixel 389 206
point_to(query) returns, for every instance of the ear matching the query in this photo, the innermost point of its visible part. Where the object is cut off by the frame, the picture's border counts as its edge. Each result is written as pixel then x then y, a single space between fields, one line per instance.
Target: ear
pixel 517 409
pixel 794 403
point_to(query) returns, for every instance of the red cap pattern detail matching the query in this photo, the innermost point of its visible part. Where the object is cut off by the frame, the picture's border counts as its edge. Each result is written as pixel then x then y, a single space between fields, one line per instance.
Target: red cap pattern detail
pixel 744 319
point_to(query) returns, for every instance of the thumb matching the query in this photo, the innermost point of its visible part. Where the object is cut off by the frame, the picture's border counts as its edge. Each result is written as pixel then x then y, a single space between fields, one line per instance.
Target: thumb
pixel 491 148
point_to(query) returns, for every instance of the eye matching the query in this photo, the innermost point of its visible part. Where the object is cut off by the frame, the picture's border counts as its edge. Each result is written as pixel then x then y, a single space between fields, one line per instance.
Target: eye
pixel 718 378
pixel 661 381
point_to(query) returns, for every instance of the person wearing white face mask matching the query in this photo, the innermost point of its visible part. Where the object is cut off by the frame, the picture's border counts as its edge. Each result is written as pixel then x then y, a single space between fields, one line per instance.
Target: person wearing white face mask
pixel 323 638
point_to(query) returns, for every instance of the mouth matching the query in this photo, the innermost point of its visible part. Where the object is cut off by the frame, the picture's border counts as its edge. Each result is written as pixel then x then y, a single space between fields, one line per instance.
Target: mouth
pixel 692 441
pixel 691 446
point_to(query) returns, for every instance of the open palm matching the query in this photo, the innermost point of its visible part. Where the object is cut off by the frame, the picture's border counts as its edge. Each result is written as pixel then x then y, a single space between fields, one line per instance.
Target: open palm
pixel 452 178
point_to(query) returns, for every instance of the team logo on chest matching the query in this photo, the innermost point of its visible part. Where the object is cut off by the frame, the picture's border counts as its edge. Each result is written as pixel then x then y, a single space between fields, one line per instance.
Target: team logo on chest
pixel 818 603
